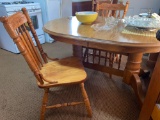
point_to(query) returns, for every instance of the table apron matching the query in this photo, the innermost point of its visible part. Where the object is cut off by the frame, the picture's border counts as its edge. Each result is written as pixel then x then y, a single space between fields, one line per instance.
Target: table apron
pixel 108 46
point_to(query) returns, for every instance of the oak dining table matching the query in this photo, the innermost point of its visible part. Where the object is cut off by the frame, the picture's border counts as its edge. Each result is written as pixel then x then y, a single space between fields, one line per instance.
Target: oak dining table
pixel 131 41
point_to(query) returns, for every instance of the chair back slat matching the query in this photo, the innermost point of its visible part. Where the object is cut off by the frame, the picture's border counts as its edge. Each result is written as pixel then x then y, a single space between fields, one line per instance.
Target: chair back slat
pixel 94 3
pixel 16 28
pixel 29 46
pixel 32 47
pixel 115 10
pixel 34 35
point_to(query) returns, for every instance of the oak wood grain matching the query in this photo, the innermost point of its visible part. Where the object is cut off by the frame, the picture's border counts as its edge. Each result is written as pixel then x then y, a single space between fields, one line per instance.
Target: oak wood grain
pixel 71 28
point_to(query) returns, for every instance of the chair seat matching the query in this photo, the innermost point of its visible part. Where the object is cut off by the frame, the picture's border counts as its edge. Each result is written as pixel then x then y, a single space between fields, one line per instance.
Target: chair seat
pixel 64 71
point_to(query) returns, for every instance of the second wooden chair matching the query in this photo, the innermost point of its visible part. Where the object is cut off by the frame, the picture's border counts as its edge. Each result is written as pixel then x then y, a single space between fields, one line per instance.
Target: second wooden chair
pixel 106 9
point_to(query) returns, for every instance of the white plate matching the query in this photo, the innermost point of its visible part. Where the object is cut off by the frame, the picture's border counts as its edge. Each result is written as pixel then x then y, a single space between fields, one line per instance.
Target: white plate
pixel 142 22
pixel 143 14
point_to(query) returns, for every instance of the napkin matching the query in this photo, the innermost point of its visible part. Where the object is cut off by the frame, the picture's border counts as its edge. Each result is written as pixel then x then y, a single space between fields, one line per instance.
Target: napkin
pixel 156 16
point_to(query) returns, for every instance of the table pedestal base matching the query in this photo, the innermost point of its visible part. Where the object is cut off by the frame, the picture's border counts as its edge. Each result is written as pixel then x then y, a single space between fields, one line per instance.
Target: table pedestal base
pixel 130 74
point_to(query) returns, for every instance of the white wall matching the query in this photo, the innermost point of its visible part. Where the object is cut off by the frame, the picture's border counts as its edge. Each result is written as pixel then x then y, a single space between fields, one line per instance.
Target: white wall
pixel 138 6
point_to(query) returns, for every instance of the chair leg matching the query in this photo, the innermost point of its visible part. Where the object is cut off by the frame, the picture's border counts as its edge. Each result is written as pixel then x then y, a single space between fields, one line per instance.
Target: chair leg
pixel 99 56
pixel 105 59
pixel 94 55
pixel 119 61
pixel 44 103
pixel 86 100
pixel 111 58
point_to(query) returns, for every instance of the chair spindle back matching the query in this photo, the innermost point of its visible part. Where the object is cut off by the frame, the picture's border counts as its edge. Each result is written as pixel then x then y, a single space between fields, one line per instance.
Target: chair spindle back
pixel 17 26
pixel 115 10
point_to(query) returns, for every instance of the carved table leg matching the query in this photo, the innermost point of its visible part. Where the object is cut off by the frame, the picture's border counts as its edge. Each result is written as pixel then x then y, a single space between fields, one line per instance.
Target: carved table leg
pixel 77 51
pixel 133 66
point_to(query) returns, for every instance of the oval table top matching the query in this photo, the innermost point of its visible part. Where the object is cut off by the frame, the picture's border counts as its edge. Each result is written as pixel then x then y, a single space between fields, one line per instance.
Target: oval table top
pixel 130 39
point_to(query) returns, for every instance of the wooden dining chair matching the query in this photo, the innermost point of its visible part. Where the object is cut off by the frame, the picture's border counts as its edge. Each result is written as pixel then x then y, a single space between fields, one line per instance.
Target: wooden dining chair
pixel 94 3
pixel 106 9
pixel 151 101
pixel 66 71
